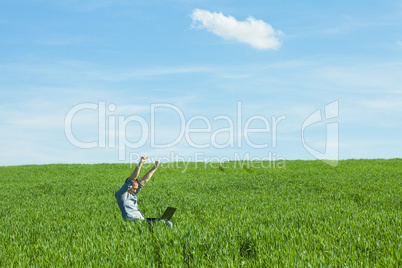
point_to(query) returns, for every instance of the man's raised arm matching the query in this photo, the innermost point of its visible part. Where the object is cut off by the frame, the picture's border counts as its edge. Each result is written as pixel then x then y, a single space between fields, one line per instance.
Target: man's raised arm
pixel 137 169
pixel 147 176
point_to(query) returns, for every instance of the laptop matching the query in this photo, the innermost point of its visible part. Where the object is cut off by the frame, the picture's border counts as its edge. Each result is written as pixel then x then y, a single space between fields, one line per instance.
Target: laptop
pixel 167 215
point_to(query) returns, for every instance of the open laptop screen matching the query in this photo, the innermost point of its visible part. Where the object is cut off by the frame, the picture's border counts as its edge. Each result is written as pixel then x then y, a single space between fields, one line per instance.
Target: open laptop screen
pixel 168 213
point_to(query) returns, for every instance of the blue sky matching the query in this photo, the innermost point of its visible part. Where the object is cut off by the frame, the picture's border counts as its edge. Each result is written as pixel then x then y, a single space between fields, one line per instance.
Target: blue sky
pixel 169 79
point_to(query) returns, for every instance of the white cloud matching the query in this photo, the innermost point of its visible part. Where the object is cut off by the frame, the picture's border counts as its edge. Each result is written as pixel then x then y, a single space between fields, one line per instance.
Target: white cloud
pixel 388 104
pixel 256 33
pixel 399 43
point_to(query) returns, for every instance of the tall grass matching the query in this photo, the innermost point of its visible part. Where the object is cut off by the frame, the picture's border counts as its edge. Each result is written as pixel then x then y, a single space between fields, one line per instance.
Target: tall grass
pixel 237 214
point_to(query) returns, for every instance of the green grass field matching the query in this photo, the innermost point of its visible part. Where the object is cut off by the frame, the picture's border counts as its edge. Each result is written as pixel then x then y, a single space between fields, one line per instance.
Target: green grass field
pixel 301 214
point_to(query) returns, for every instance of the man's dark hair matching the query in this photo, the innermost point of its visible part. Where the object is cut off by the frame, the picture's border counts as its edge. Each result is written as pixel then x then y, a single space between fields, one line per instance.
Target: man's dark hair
pixel 134 180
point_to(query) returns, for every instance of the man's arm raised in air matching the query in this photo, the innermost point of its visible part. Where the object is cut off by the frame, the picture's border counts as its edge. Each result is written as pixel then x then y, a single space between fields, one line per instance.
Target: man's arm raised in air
pixel 137 169
pixel 147 176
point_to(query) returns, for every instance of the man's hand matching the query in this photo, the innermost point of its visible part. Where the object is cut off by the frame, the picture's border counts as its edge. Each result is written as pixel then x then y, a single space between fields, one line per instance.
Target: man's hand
pixel 157 164
pixel 136 171
pixel 143 159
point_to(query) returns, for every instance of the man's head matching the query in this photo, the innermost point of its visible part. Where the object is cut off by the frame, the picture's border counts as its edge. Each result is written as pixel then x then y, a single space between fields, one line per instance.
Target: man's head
pixel 134 187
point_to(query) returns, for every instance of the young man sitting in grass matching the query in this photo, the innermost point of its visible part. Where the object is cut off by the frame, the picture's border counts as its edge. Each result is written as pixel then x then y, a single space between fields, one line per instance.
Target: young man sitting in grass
pixel 126 196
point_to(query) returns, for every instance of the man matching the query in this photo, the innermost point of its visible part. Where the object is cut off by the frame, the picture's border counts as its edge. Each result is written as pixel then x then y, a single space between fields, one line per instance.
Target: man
pixel 126 196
